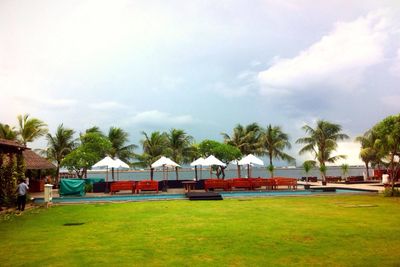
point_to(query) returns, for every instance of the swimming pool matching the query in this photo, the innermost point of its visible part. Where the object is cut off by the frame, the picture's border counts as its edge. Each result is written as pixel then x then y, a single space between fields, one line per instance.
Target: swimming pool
pixel 231 194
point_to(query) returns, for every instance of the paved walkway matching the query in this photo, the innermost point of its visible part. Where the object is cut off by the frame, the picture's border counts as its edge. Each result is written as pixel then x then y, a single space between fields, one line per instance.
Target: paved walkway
pixel 373 186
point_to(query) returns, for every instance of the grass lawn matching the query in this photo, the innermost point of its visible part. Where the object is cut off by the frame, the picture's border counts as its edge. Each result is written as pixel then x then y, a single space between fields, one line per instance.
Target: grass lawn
pixel 345 230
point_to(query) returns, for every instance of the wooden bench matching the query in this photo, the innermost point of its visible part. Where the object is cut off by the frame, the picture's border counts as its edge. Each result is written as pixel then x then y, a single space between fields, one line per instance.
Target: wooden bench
pixel 146 185
pixel 122 185
pixel 240 183
pixel 216 184
pixel 284 181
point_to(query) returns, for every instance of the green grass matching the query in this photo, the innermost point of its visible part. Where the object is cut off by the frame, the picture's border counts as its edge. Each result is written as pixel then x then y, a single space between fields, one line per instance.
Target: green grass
pixel 282 231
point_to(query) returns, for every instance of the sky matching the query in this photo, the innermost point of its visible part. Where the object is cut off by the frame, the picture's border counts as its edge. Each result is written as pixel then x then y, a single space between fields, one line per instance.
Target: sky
pixel 201 66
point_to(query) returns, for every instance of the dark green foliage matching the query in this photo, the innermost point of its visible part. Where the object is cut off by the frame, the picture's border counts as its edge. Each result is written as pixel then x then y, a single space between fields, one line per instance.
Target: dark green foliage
pixel 119 148
pixel 93 147
pixel 88 187
pixel 391 192
pixel 245 138
pixel 224 152
pixel 387 142
pixel 322 142
pixel 7 132
pixel 273 142
pixel 12 169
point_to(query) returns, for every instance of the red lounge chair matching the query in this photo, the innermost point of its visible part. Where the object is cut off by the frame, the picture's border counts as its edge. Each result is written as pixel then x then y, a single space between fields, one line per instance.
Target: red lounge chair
pixel 333 179
pixel 284 181
pixel 240 183
pixel 147 185
pixel 259 182
pixel 123 185
pixel 216 184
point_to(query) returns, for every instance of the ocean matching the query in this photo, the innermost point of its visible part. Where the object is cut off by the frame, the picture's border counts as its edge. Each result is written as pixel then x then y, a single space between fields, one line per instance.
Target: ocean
pixel 189 174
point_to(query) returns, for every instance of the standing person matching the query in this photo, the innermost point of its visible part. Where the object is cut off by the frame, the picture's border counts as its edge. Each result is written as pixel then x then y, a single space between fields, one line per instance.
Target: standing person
pixel 22 190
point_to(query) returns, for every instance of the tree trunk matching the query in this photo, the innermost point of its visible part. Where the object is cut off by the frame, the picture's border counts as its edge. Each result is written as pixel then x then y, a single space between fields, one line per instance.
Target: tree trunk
pixel 176 172
pixel 270 164
pixel 195 172
pixel 238 170
pixel 366 166
pixel 57 178
pixel 393 173
pixel 151 173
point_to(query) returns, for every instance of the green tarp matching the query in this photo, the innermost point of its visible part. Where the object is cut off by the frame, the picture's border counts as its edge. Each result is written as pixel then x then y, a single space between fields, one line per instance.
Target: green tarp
pixel 72 187
pixel 93 180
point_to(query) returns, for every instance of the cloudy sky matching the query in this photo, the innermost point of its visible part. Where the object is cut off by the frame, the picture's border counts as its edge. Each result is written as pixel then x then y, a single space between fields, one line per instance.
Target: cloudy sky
pixel 203 66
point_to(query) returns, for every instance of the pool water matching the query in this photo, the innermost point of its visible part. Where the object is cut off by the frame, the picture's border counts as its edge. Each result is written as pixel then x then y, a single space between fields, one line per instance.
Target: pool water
pixel 234 194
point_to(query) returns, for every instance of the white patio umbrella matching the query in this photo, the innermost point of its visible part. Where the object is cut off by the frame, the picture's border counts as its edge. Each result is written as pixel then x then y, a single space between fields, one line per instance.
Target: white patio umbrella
pixel 106 162
pixel 212 160
pixel 121 165
pixel 250 160
pixel 164 162
pixel 198 162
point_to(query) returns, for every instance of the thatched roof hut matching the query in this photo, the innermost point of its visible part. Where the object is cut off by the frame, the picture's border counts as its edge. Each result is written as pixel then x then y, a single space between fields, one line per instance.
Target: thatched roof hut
pixel 35 162
pixel 32 160
pixel 10 146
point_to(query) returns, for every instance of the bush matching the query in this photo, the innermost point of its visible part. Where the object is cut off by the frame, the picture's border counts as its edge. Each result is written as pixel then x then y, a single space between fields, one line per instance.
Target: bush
pixel 388 192
pixel 88 188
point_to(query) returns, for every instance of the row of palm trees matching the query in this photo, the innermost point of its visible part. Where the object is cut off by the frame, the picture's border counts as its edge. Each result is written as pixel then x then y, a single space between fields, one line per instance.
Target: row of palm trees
pixel 271 141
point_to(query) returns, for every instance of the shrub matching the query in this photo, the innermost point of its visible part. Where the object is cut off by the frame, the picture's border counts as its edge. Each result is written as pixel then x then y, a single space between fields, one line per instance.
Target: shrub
pixel 389 193
pixel 88 188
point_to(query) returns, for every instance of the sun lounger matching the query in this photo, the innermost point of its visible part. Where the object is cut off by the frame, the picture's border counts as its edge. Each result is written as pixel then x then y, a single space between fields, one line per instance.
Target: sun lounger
pixel 260 182
pixel 284 181
pixel 146 185
pixel 242 183
pixel 333 179
pixel 216 184
pixel 122 185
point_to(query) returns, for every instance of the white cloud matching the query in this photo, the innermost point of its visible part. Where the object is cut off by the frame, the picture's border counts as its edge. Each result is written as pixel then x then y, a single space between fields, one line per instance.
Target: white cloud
pixel 338 58
pixel 107 105
pixel 395 69
pixel 391 101
pixel 351 150
pixel 243 84
pixel 154 118
pixel 45 102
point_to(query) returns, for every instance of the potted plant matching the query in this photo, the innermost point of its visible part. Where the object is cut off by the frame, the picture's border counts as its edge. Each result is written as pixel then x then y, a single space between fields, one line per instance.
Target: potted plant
pixel 307 166
pixel 345 170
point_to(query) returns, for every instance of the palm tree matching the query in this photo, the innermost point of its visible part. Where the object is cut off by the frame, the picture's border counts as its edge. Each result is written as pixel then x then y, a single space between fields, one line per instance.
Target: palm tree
pixel 388 144
pixel 273 141
pixel 246 139
pixel 59 145
pixel 308 165
pixel 322 142
pixel 154 146
pixel 30 128
pixel 118 138
pixel 8 132
pixel 368 152
pixel 94 129
pixel 179 147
